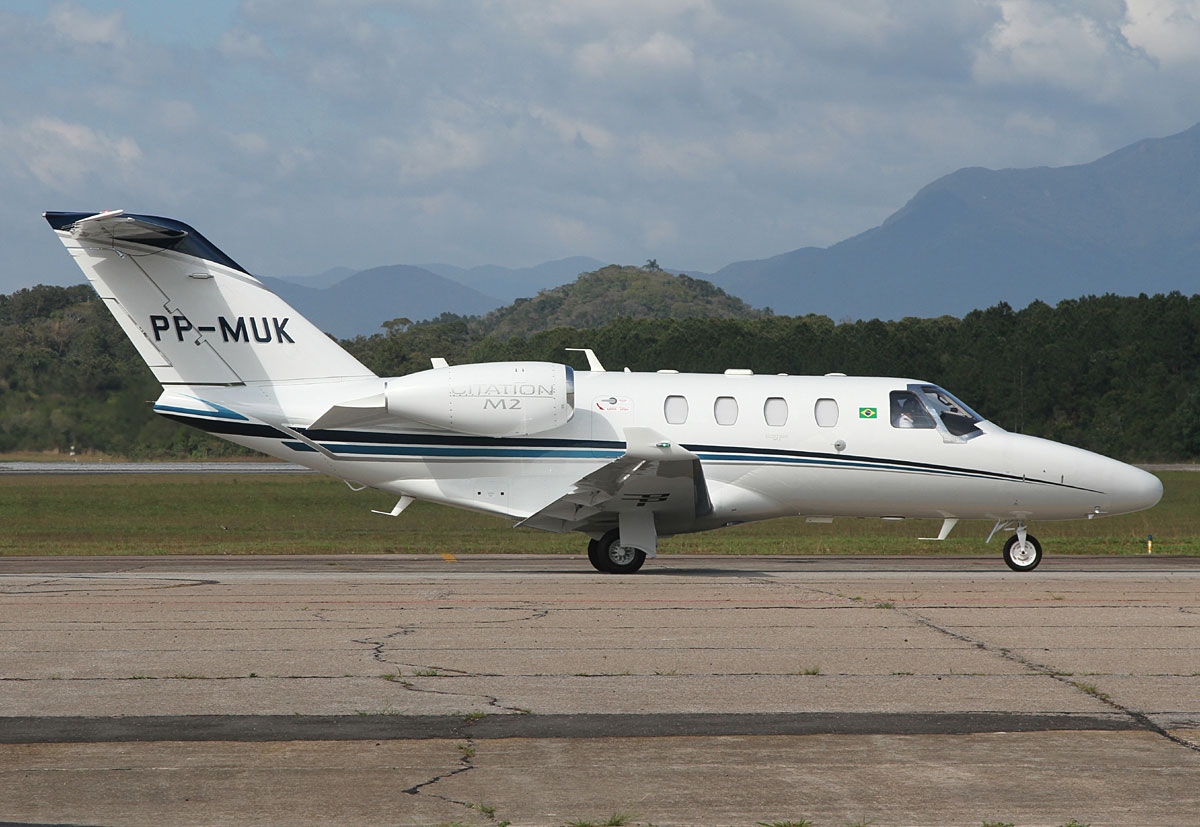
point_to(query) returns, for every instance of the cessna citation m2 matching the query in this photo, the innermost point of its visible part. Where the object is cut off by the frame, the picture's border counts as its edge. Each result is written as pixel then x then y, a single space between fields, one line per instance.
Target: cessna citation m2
pixel 624 458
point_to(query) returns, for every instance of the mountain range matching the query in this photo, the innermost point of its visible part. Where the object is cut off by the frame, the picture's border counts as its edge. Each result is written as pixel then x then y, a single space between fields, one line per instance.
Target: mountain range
pixel 348 303
pixel 1126 223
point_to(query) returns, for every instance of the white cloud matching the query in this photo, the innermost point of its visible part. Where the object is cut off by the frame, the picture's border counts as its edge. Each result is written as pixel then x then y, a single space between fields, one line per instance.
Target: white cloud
pixel 250 143
pixel 571 129
pixel 665 52
pixel 1031 124
pixel 239 44
pixel 542 19
pixel 1077 49
pixel 1168 31
pixel 620 56
pixel 697 132
pixel 661 157
pixel 441 148
pixel 570 233
pixel 178 116
pixel 78 24
pixel 659 232
pixel 63 156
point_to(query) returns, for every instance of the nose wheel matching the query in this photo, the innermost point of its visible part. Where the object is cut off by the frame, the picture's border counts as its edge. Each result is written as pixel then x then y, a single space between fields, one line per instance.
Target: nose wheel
pixel 1022 552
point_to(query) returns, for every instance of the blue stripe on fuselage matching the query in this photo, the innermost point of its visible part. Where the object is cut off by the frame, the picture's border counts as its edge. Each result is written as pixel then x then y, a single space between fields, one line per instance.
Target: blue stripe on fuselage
pixel 365 445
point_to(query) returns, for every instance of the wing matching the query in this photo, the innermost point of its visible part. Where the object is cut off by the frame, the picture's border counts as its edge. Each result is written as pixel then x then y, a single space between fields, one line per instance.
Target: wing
pixel 654 478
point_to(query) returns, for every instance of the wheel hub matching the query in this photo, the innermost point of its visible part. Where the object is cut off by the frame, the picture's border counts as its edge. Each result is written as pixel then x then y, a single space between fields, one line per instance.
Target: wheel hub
pixel 1023 553
pixel 622 555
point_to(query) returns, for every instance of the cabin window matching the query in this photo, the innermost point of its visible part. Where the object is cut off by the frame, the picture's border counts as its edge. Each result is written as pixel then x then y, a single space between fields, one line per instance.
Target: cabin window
pixel 675 409
pixel 775 411
pixel 826 412
pixel 908 412
pixel 725 410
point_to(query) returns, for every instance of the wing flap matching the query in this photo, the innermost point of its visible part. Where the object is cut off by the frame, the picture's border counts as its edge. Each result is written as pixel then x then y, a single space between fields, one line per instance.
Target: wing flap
pixel 653 477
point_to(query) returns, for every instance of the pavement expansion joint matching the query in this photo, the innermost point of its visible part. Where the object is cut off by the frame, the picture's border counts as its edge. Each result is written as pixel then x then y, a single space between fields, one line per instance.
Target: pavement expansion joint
pixel 475 727
pixel 1142 720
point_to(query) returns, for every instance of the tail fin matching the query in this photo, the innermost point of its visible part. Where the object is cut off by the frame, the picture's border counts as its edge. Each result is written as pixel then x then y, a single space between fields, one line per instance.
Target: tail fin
pixel 195 316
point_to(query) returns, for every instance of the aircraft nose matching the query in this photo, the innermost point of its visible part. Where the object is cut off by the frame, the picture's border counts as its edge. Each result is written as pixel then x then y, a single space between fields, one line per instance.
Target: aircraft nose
pixel 1135 490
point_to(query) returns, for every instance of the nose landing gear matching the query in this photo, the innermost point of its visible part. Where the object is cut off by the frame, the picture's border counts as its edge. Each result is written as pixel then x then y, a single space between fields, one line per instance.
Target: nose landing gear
pixel 1022 552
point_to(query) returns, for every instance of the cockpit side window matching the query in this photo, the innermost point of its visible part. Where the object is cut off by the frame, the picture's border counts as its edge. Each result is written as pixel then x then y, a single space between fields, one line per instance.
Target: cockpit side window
pixel 959 420
pixel 908 412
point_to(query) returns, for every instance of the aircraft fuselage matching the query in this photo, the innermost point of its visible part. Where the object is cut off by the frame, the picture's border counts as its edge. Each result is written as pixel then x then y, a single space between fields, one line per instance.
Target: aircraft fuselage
pixel 770 446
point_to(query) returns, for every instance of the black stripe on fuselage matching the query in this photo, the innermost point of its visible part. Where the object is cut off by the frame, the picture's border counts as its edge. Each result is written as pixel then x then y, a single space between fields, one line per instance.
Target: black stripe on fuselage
pixel 880 463
pixel 223 427
pixel 718 453
pixel 454 440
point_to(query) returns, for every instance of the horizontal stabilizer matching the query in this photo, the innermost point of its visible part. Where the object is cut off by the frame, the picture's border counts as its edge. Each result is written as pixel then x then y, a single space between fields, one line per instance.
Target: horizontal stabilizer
pixel 153 231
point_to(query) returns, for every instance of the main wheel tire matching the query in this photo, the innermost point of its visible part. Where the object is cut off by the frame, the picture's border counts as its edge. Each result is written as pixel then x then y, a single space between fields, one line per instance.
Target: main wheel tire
pixel 615 558
pixel 1022 557
pixel 598 561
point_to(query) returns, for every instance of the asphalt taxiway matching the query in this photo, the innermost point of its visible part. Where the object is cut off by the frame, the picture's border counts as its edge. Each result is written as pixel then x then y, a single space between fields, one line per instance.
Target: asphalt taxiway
pixel 533 690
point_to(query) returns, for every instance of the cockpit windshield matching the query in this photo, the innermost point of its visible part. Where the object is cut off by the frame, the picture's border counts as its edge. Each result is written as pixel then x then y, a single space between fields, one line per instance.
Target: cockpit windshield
pixel 957 417
pixel 928 406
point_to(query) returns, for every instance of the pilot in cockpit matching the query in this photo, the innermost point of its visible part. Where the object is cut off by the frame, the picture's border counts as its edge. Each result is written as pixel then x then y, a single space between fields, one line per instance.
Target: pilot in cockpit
pixel 908 412
pixel 902 410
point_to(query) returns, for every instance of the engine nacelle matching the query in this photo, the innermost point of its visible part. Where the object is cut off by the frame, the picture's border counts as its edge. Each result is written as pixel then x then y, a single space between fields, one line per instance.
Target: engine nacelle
pixel 487 399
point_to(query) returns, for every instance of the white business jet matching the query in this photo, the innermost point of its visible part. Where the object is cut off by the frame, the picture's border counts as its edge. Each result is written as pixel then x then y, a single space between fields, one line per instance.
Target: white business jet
pixel 625 458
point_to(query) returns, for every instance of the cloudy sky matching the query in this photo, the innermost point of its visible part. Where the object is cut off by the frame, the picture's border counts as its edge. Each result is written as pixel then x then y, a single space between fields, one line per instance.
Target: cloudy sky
pixel 300 135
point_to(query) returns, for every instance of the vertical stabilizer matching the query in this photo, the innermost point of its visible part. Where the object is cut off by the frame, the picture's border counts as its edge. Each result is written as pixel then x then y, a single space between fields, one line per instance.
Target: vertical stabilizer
pixel 195 316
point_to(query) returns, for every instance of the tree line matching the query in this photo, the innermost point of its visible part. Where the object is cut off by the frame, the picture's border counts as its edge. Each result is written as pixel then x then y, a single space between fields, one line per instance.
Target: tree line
pixel 1118 375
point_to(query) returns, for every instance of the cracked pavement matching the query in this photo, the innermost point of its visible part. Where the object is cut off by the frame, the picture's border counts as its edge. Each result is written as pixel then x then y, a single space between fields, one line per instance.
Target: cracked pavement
pixel 419 690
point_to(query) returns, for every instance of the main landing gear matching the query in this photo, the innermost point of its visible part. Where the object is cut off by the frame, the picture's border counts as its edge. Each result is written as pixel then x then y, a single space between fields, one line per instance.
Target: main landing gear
pixel 1022 552
pixel 609 556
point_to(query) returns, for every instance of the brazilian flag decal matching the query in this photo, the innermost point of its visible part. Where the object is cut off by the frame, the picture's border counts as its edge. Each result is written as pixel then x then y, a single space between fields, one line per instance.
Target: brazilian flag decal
pixel 868 413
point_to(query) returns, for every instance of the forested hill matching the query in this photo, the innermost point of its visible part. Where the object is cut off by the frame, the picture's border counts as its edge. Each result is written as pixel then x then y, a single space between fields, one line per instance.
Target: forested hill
pixel 70 377
pixel 1112 374
pixel 615 292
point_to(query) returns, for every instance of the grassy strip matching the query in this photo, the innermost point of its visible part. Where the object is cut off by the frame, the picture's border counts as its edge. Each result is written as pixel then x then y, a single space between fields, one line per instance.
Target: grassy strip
pixel 309 514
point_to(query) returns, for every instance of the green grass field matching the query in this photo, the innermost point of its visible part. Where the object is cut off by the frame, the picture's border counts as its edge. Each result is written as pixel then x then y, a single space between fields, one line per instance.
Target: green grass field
pixel 310 514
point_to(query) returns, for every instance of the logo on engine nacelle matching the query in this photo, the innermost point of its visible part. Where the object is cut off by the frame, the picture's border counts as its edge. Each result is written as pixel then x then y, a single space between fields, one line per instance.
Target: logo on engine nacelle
pixel 527 389
pixel 502 405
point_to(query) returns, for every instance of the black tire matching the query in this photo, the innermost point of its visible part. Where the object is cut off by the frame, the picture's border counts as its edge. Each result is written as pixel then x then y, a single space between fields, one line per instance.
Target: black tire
pixel 599 563
pixel 615 558
pixel 1022 558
